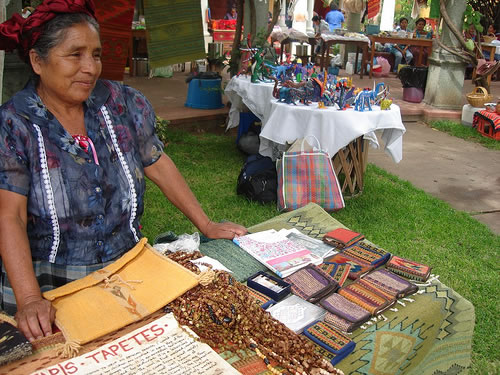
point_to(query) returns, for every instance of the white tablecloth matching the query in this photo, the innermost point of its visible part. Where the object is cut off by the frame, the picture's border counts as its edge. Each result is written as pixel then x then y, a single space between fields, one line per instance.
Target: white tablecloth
pixel 256 96
pixel 282 123
pixel 334 129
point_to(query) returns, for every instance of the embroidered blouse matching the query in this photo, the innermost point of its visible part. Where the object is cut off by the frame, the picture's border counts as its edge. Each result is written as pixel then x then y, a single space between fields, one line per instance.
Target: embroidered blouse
pixel 80 212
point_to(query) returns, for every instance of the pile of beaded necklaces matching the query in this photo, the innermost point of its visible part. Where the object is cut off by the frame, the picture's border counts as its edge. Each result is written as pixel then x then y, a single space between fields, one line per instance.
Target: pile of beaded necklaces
pixel 226 317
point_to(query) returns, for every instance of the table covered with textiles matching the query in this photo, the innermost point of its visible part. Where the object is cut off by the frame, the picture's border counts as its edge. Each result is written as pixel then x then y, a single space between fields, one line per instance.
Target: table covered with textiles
pixel 429 332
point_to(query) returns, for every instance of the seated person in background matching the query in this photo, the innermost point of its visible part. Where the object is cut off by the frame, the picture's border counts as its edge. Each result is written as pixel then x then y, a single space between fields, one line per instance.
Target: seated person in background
pixel 231 14
pixel 491 31
pixel 419 30
pixel 420 33
pixel 470 33
pixel 74 154
pixel 398 50
pixel 334 17
pixel 320 26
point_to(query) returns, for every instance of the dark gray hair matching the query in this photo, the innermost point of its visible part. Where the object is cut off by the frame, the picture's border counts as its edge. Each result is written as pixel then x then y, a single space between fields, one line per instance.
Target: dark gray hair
pixel 56 29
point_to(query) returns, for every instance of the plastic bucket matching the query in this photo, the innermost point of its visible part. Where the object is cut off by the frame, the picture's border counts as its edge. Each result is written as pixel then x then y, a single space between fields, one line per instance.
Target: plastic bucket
pixel 413 94
pixel 204 94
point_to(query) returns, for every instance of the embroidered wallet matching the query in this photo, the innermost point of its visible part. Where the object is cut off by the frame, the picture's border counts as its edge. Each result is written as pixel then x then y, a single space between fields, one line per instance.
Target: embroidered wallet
pixel 342 237
pixel 358 267
pixel 352 314
pixel 329 338
pixel 311 283
pixel 13 344
pixel 365 252
pixel 409 268
pixel 338 271
pixel 387 283
pixel 369 299
pixel 260 298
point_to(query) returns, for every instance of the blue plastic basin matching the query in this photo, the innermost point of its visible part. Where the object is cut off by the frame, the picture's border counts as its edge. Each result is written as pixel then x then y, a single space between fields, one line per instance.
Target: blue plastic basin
pixel 204 94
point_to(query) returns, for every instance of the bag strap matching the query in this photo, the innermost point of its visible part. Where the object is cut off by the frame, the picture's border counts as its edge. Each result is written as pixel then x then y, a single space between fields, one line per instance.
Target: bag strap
pixel 313 137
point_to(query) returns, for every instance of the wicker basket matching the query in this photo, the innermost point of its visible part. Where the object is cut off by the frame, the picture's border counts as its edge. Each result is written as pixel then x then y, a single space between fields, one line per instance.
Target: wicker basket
pixel 488 39
pixel 478 97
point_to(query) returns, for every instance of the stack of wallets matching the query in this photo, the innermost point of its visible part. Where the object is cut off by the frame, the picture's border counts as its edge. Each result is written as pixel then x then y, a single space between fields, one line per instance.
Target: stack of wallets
pixel 388 284
pixel 311 283
pixel 368 253
pixel 344 314
pixel 409 269
pixel 358 267
pixel 338 271
pixel 369 299
pixel 342 237
pixel 337 345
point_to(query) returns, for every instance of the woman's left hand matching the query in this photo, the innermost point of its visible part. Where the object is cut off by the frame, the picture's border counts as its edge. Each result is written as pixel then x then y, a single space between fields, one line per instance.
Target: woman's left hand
pixel 226 230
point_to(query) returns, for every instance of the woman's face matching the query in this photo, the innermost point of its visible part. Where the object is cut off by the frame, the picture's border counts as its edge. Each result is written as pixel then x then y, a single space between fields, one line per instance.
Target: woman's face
pixel 491 29
pixel 72 68
pixel 420 26
pixel 403 24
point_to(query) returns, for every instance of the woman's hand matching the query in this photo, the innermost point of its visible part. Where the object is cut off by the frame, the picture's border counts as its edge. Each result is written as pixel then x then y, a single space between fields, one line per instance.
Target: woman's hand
pixel 35 317
pixel 226 230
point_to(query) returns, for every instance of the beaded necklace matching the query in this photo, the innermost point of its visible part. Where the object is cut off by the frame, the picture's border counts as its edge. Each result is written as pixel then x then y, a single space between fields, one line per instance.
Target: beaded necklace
pixel 225 316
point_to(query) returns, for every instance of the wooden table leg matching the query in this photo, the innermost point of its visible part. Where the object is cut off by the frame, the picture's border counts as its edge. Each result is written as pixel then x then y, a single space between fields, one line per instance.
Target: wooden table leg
pixel 371 59
pixel 363 60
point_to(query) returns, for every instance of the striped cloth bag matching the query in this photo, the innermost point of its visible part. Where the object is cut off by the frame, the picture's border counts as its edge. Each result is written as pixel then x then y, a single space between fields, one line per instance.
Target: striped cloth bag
pixel 308 176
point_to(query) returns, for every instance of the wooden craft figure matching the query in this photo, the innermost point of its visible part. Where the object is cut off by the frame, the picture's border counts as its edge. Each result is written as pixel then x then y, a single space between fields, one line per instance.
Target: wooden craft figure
pixel 341 88
pixel 363 100
pixel 380 92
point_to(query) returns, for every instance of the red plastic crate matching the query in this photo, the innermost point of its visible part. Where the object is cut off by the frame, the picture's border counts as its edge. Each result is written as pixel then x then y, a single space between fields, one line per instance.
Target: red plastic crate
pixel 485 127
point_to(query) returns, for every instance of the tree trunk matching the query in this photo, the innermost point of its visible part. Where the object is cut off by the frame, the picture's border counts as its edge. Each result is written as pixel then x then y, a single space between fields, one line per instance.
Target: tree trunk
pixel 276 14
pixel 234 65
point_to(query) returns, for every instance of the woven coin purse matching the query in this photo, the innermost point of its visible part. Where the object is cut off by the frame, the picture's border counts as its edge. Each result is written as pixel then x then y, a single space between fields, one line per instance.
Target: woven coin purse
pixel 408 268
pixel 369 299
pixel 136 285
pixel 329 338
pixel 311 283
pixel 354 314
pixel 387 283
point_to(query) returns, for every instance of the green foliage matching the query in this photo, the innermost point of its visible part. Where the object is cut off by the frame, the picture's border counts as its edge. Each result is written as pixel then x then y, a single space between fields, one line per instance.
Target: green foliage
pixel 404 10
pixel 472 17
pixel 161 128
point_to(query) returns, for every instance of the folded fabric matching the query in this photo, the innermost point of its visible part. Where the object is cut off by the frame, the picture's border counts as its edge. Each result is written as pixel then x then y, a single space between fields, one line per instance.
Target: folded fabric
pixel 330 339
pixel 311 283
pixel 13 344
pixel 342 237
pixel 409 268
pixel 139 283
pixel 388 284
pixel 358 267
pixel 376 256
pixel 368 299
pixel 338 271
pixel 345 309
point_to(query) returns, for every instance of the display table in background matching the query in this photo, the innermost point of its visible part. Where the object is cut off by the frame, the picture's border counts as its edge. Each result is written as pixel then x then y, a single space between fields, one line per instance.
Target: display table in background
pixel 341 133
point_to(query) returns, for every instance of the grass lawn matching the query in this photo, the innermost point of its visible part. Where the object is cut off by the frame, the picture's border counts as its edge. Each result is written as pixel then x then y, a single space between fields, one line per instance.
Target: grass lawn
pixel 465 132
pixel 390 212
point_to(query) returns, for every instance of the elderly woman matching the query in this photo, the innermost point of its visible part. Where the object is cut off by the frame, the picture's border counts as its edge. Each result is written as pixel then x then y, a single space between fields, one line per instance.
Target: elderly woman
pixel 74 151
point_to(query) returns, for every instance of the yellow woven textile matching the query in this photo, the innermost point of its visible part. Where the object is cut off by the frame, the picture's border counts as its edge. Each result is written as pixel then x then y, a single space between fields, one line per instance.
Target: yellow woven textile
pixel 139 283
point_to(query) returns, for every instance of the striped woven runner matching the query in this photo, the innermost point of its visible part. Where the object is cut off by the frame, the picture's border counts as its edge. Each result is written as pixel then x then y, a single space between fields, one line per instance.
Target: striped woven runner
pixel 175 31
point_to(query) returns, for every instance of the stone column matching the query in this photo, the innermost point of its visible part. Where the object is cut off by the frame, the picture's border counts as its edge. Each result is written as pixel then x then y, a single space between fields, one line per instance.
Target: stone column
pixel 282 17
pixel 445 80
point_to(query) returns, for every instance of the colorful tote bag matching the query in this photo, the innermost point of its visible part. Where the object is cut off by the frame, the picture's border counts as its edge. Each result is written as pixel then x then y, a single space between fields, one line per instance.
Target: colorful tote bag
pixel 308 176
